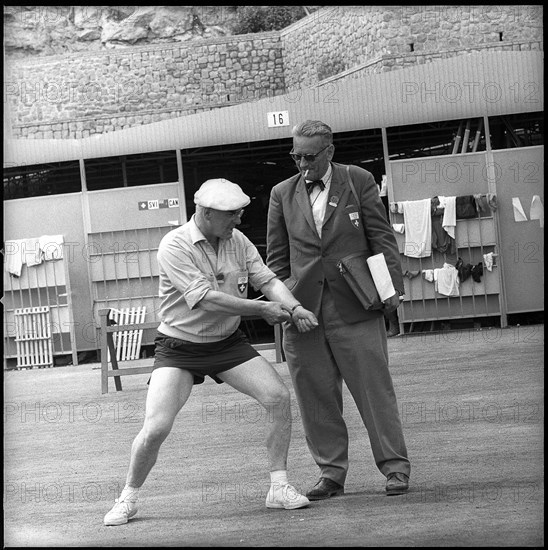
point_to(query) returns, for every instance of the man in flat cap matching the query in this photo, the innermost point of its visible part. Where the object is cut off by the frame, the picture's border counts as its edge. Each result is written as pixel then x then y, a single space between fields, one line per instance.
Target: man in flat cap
pixel 204 270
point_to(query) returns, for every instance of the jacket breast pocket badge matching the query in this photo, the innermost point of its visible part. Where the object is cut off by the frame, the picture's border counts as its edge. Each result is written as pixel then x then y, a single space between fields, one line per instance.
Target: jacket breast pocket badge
pixel 355 219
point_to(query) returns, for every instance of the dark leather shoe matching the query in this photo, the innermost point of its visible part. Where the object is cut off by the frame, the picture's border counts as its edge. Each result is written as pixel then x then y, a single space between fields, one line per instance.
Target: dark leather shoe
pixel 325 488
pixel 397 484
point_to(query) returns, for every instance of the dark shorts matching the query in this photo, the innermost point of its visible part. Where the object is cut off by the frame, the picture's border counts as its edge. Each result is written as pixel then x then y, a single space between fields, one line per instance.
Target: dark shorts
pixel 201 360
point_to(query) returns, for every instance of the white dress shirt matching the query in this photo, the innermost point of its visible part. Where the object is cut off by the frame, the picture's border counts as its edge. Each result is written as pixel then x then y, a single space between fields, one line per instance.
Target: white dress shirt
pixel 318 200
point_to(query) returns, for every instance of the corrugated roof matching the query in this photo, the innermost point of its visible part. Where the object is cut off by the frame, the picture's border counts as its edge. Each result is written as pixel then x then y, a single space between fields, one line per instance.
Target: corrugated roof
pixel 471 85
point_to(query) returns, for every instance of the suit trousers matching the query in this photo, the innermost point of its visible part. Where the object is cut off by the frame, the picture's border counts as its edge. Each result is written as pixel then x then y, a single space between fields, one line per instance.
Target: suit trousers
pixel 319 361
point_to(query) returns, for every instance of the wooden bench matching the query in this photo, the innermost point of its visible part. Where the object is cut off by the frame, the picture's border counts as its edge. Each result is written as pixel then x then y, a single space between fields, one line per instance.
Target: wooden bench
pixel 108 350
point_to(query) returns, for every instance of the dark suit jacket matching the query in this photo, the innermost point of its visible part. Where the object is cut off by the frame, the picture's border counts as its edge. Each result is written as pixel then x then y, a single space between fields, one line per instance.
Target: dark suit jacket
pixel 304 261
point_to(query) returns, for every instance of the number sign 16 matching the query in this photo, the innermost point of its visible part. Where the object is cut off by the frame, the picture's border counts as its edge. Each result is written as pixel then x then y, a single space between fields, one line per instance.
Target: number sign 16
pixel 278 118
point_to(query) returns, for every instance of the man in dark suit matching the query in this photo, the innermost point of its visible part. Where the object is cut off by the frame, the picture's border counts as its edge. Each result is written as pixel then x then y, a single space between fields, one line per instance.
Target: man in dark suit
pixel 312 224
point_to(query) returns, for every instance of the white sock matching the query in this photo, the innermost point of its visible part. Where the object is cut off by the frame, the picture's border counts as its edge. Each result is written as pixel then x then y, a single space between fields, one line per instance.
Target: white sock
pixel 278 478
pixel 129 493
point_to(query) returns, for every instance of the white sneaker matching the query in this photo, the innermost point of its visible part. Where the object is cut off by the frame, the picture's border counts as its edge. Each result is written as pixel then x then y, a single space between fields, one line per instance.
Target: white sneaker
pixel 285 496
pixel 121 512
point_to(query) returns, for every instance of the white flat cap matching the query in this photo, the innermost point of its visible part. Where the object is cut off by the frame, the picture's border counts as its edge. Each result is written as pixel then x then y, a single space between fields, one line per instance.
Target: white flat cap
pixel 221 194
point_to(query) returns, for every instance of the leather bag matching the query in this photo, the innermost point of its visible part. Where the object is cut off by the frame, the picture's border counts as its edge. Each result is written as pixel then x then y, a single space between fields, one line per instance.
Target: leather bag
pixel 357 274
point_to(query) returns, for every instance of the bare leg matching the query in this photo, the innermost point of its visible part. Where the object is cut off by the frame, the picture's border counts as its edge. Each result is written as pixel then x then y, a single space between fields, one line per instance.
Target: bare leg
pixel 168 391
pixel 258 379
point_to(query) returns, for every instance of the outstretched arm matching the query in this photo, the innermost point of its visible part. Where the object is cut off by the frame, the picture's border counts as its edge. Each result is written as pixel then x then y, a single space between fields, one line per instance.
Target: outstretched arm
pixel 219 302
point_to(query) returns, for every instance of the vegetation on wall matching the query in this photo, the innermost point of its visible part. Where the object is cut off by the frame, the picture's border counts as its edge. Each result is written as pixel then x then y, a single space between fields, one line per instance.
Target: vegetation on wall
pixel 329 67
pixel 251 19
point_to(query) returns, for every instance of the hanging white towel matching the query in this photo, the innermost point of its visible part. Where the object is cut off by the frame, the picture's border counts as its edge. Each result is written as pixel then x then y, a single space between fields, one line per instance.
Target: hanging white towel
pixel 446 280
pixel 537 210
pixel 13 257
pixel 449 220
pixel 52 246
pixel 519 214
pixel 418 228
pixel 383 191
pixel 488 261
pixel 32 254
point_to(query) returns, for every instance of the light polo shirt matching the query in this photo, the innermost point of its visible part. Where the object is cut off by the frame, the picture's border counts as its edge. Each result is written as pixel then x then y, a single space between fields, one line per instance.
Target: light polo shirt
pixel 189 268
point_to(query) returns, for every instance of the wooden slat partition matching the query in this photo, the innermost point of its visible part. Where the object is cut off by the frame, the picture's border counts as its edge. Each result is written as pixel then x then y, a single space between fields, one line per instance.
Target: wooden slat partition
pixel 128 342
pixel 33 337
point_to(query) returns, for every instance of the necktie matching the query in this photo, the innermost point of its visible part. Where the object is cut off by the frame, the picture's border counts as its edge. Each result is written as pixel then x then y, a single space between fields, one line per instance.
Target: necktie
pixel 311 184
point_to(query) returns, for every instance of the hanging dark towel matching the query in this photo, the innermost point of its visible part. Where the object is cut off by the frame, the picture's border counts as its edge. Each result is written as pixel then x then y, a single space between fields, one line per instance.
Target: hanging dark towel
pixel 477 272
pixel 441 240
pixel 435 209
pixel 464 270
pixel 486 203
pixel 465 207
pixel 482 204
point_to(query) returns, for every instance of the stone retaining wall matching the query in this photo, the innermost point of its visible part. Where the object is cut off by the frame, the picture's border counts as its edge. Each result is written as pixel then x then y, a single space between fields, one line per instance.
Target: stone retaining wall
pixel 346 37
pixel 78 95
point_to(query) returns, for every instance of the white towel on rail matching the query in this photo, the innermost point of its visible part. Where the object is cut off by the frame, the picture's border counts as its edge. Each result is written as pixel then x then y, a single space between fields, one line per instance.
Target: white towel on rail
pixel 537 210
pixel 32 254
pixel 13 257
pixel 418 228
pixel 449 220
pixel 52 246
pixel 446 280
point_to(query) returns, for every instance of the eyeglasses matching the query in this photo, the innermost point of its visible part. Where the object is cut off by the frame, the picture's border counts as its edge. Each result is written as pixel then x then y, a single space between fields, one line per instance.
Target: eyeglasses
pixel 309 158
pixel 236 213
pixel 232 213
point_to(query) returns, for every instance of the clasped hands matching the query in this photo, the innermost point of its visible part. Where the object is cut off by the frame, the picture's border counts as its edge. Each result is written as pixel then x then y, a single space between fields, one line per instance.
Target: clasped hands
pixel 275 312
